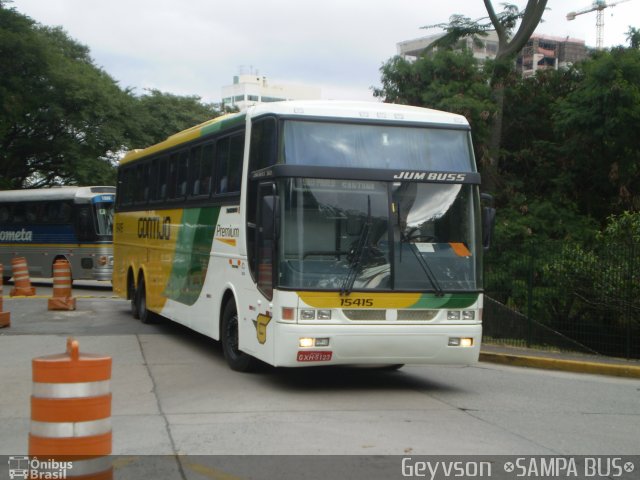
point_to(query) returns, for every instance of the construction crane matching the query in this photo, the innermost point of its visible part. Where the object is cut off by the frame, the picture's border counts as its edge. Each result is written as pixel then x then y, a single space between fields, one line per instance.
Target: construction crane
pixel 597 6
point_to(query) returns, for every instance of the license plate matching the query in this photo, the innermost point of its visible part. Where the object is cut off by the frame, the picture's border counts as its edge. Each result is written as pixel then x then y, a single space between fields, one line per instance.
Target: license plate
pixel 314 356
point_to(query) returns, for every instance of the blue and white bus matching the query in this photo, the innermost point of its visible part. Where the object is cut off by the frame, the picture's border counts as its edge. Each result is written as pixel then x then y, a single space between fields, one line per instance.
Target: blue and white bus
pixel 44 225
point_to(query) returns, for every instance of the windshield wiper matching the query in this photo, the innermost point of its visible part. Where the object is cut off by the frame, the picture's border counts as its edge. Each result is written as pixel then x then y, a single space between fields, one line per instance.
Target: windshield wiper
pixel 421 261
pixel 427 270
pixel 358 253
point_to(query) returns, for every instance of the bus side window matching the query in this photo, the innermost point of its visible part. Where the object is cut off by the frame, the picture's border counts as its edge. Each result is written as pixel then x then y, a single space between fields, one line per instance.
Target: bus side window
pixel 183 174
pixel 4 213
pixel 195 165
pixel 18 213
pixel 172 177
pixel 153 180
pixel 84 225
pixel 163 178
pixel 139 182
pixel 32 212
pixel 146 174
pixel 125 191
pixel 206 169
pixel 236 151
pixel 222 165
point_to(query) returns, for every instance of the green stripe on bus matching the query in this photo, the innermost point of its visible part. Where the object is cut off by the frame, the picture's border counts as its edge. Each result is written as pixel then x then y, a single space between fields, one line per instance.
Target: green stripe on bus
pixel 222 125
pixel 448 300
pixel 193 247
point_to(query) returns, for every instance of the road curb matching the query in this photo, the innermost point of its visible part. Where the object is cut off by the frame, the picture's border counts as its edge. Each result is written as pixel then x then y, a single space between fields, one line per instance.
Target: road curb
pixel 617 370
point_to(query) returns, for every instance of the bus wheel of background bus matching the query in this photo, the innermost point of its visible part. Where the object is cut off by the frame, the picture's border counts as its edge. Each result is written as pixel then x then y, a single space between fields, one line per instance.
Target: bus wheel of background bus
pixel 229 337
pixel 141 303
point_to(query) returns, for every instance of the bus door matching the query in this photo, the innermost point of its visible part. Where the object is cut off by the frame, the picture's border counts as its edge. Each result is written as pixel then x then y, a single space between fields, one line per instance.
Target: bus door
pixel 266 235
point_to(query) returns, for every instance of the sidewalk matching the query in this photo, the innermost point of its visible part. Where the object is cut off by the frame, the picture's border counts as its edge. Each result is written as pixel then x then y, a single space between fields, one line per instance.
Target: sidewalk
pixel 565 361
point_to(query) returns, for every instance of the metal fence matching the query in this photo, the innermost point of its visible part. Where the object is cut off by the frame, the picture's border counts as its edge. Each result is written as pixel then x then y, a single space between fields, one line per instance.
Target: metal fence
pixel 564 296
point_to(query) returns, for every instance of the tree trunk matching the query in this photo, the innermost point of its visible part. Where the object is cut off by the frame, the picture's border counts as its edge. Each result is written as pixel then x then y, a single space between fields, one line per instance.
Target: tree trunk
pixel 507 51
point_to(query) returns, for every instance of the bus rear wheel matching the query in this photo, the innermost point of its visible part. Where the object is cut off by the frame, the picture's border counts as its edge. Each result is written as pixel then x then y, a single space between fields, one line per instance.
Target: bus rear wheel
pixel 229 338
pixel 144 314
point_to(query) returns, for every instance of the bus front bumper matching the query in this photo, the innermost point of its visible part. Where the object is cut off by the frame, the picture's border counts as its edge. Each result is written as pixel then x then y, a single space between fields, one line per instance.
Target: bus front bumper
pixel 377 344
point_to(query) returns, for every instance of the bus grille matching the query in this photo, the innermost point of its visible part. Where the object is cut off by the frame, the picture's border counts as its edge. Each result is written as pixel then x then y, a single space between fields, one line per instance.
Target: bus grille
pixel 417 315
pixel 363 314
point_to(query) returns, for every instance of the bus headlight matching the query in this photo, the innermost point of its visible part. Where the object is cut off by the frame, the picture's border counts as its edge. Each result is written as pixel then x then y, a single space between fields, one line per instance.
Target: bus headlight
pixel 312 314
pixel 460 342
pixel 307 314
pixel 308 342
pixel 461 315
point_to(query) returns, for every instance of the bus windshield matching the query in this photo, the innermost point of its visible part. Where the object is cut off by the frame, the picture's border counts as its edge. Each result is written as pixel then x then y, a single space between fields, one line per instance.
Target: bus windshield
pixel 376 146
pixel 104 218
pixel 369 235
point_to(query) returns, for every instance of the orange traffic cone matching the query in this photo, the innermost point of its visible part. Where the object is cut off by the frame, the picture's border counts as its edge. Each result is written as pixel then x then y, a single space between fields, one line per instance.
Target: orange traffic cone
pixel 71 415
pixel 5 317
pixel 21 282
pixel 61 298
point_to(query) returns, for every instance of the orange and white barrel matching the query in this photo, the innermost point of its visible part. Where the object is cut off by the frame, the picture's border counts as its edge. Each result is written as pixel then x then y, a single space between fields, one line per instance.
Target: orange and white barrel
pixel 62 298
pixel 21 281
pixel 71 413
pixel 5 317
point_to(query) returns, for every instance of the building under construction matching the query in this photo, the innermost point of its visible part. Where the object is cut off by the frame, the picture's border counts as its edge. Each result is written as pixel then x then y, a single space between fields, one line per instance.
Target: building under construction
pixel 543 52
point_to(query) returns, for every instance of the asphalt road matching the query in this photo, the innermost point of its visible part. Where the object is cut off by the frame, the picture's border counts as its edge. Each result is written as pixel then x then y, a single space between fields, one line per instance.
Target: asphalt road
pixel 173 394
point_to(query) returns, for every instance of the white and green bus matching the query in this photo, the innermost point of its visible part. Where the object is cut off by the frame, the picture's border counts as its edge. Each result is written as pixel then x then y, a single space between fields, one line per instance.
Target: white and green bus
pixel 309 233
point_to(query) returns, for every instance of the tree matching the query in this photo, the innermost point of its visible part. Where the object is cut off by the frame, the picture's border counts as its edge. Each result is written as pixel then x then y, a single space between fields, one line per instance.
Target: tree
pixel 596 124
pixel 509 44
pixel 61 118
pixel 633 35
pixel 158 115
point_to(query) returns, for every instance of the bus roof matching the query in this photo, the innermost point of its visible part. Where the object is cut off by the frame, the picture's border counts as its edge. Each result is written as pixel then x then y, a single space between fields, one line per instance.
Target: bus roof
pixel 54 193
pixel 361 111
pixel 210 126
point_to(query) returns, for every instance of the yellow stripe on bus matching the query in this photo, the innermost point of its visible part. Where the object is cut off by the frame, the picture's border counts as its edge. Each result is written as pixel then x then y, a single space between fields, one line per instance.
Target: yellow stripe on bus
pixel 359 299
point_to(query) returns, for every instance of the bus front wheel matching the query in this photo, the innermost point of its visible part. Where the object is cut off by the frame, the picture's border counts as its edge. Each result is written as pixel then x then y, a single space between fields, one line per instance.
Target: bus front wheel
pixel 229 337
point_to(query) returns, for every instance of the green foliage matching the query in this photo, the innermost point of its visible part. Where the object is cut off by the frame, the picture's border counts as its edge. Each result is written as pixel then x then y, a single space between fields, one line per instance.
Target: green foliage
pixel 459 27
pixel 65 121
pixel 623 229
pixel 61 117
pixel 597 127
pixel 566 247
pixel 633 35
pixel 158 115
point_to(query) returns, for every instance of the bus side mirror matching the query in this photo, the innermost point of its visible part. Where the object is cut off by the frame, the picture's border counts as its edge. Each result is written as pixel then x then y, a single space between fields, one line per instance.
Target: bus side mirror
pixel 270 217
pixel 488 220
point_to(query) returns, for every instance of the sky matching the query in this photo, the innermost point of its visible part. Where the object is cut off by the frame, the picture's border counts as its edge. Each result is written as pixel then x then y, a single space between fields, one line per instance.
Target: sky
pixel 194 47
